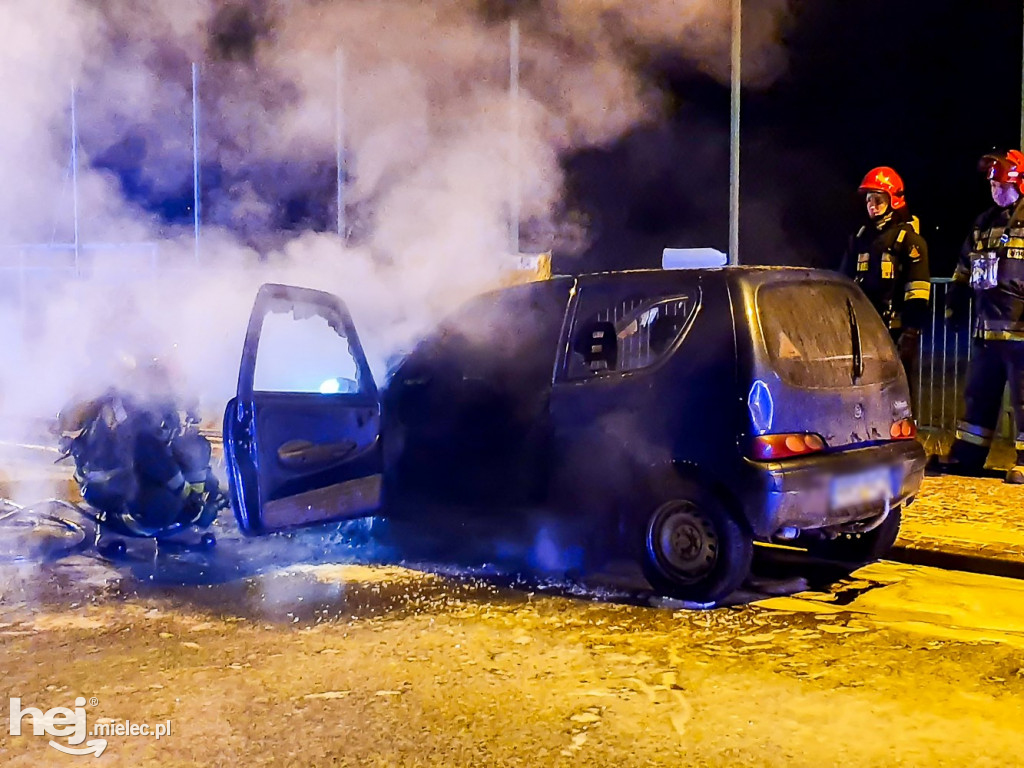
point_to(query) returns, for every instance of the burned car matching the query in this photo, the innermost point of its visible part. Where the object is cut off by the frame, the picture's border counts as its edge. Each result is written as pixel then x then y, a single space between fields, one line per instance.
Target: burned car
pixel 676 416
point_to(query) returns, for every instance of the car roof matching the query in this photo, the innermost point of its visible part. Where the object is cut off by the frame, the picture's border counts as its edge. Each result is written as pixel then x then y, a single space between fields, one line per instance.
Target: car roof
pixel 736 273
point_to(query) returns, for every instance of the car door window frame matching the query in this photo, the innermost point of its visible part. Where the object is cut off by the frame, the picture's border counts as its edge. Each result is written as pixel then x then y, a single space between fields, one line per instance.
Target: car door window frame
pixel 334 313
pixel 568 369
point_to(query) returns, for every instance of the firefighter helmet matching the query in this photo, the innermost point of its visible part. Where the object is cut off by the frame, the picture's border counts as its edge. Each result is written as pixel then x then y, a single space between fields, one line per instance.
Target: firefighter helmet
pixel 884 179
pixel 1005 168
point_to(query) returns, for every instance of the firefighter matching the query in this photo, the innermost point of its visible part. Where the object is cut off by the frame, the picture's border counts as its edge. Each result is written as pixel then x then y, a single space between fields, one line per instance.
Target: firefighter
pixel 888 259
pixel 173 471
pixel 991 271
pixel 135 463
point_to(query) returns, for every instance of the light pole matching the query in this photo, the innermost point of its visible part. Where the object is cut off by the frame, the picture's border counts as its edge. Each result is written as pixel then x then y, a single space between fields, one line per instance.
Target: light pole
pixel 74 174
pixel 195 157
pixel 339 139
pixel 513 95
pixel 734 136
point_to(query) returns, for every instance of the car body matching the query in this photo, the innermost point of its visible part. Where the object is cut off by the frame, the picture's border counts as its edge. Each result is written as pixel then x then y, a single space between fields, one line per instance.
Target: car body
pixel 676 415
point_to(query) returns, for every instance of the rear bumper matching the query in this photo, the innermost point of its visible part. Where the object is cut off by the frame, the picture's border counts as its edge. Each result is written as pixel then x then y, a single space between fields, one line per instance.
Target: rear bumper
pixel 798 492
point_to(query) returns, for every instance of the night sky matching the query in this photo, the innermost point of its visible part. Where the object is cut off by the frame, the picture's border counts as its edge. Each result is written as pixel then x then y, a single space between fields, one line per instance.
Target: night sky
pixel 924 87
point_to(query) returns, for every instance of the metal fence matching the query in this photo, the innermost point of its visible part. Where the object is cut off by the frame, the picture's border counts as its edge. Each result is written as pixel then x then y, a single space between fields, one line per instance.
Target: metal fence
pixel 29 271
pixel 942 371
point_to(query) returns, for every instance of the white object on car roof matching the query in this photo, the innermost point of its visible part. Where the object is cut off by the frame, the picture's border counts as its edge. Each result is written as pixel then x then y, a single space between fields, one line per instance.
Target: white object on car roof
pixel 692 258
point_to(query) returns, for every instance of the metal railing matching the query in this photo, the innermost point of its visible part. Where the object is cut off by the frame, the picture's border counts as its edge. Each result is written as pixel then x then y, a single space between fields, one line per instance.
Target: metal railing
pixel 27 271
pixel 942 371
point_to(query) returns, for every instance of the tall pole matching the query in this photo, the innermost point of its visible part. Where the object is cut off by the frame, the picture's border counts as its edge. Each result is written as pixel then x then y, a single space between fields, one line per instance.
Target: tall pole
pixel 74 173
pixel 514 182
pixel 734 136
pixel 195 155
pixel 339 139
pixel 1022 97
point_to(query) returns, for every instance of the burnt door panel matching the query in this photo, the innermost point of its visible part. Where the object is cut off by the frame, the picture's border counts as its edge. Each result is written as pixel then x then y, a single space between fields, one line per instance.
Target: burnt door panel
pixel 303 435
pixel 471 402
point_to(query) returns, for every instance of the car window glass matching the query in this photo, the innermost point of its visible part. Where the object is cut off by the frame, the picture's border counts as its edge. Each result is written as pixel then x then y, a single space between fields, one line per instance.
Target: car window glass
pixel 304 354
pixel 632 334
pixel 808 335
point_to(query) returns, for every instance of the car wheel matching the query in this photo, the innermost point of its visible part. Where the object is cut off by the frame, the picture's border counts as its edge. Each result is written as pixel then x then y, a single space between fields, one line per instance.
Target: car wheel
pixel 860 548
pixel 695 550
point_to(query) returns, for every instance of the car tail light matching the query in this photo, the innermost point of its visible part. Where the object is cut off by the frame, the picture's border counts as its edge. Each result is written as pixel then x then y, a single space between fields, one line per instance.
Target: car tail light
pixel 767 447
pixel 904 429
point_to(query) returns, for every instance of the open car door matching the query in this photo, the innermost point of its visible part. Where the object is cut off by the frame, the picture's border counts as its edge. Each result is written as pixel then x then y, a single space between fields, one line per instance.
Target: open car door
pixel 302 435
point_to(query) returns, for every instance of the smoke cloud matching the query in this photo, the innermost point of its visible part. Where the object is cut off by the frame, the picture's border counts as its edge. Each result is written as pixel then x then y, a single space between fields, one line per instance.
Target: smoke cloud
pixel 434 151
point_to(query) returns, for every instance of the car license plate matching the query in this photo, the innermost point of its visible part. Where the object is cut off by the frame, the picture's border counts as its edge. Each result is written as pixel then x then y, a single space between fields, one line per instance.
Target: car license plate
pixel 861 488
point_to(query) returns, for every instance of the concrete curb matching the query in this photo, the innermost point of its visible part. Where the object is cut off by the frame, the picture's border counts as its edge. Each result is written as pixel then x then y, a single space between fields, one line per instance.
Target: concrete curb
pixel 956 560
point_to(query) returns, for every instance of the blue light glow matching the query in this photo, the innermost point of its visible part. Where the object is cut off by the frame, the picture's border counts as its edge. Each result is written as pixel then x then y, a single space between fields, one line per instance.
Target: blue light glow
pixel 330 387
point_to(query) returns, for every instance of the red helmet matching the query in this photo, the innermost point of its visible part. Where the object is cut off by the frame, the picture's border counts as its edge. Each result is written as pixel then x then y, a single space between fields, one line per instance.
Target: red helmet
pixel 1005 168
pixel 884 179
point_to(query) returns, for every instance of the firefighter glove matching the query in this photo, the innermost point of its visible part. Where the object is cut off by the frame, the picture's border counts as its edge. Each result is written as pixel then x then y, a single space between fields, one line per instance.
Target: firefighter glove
pixel 958 305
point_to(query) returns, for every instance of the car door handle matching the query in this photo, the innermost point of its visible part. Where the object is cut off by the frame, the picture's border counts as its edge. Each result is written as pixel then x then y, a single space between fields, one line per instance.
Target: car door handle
pixel 303 454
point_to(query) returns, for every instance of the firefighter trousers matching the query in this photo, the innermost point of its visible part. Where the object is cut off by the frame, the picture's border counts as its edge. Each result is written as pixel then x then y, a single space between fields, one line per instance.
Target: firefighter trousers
pixel 993 366
pixel 909 354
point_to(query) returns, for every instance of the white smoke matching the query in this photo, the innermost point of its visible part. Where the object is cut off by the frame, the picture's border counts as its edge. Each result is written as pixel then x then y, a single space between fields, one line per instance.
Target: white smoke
pixel 432 151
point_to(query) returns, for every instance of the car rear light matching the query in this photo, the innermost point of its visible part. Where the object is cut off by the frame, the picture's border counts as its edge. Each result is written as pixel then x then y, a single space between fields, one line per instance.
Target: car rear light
pixel 768 447
pixel 904 429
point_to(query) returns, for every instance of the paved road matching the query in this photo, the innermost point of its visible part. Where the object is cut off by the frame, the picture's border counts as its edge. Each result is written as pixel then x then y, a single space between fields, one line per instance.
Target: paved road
pixel 359 664
pixel 307 650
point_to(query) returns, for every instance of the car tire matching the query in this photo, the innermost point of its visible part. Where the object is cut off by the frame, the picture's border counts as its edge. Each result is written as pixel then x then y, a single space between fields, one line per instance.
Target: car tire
pixel 695 550
pixel 860 548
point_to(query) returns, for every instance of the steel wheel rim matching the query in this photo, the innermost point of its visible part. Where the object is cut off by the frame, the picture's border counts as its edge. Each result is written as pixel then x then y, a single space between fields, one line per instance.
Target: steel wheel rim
pixel 685 542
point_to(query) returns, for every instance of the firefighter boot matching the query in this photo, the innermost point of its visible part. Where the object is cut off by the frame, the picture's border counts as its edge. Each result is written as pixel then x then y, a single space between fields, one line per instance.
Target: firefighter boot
pixel 963 458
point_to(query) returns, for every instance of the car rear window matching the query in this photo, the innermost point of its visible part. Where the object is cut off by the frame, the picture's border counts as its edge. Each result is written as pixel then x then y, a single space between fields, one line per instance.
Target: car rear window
pixel 810 337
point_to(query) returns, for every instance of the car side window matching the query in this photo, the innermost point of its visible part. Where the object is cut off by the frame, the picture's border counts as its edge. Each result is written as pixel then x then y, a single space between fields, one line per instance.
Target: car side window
pixel 629 335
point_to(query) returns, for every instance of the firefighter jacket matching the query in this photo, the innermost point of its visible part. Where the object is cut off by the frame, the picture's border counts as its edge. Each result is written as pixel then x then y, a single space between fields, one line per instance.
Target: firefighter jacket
pixel 888 259
pixel 992 266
